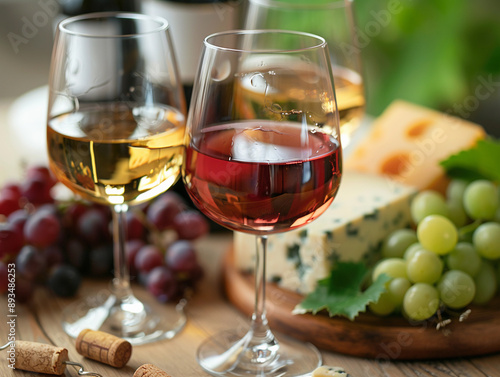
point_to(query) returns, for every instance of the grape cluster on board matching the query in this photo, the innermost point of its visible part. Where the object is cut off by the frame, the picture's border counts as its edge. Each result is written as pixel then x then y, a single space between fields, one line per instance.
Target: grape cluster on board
pixel 56 242
pixel 451 259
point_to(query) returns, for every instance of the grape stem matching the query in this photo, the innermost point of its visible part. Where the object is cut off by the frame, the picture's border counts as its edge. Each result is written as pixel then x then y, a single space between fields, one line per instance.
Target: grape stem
pixel 468 229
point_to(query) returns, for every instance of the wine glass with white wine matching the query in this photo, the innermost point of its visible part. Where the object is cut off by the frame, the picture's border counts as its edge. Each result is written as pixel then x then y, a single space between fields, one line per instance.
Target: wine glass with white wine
pixel 115 129
pixel 333 20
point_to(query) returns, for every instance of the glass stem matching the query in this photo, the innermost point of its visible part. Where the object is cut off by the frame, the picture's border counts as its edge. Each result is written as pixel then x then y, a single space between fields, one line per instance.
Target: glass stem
pixel 262 336
pixel 121 282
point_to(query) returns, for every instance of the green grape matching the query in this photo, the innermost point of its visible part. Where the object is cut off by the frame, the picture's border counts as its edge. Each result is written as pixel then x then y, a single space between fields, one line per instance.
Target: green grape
pixel 412 249
pixel 464 257
pixel 424 267
pixel 486 239
pixel 456 213
pixel 481 200
pixel 455 190
pixel 427 203
pixel 421 301
pixel 438 234
pixel 486 283
pixel 397 242
pixel 384 306
pixel 392 267
pixel 396 290
pixel 456 289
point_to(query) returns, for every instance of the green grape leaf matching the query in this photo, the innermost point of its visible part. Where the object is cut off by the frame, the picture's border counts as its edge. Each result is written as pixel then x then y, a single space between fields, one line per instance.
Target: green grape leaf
pixel 341 294
pixel 478 162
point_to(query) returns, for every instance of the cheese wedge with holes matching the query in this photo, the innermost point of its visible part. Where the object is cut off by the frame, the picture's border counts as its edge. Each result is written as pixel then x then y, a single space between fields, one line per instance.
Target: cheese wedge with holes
pixel 407 142
pixel 366 210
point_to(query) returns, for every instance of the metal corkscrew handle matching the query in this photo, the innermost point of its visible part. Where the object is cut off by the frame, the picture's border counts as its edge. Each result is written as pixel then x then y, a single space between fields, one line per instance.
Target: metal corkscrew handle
pixel 81 371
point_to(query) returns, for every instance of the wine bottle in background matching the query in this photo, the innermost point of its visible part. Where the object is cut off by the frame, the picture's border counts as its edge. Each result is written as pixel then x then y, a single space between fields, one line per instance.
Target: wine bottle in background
pixel 190 22
pixel 76 7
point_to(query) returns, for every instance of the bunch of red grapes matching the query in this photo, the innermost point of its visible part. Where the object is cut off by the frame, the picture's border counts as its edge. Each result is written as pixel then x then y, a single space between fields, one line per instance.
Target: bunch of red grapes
pixel 55 243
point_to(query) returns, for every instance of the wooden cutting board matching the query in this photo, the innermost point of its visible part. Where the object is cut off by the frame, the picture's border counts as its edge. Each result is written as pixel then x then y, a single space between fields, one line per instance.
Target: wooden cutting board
pixel 369 336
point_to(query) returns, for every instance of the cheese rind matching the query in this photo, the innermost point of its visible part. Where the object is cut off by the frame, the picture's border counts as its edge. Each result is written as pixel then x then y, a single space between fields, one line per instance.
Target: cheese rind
pixel 407 142
pixel 366 209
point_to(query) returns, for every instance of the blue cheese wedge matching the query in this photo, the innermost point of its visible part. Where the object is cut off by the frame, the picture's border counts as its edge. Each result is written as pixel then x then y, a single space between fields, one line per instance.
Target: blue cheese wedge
pixel 366 209
pixel 328 371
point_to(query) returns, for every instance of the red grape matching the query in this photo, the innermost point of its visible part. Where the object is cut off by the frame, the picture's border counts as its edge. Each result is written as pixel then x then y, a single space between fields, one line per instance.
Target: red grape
pixel 36 188
pixel 43 171
pixel 64 280
pixel 93 226
pixel 53 255
pixel 10 240
pixel 56 242
pixel 190 225
pixel 147 258
pixel 18 219
pixel 162 284
pixel 135 227
pixel 30 263
pixel 11 189
pixel 181 257
pixel 132 247
pixel 42 229
pixel 101 260
pixel 162 211
pixel 76 254
pixel 8 204
pixel 72 215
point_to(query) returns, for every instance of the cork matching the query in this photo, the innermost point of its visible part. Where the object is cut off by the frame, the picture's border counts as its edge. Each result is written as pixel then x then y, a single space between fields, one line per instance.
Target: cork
pixel 40 358
pixel 149 370
pixel 103 347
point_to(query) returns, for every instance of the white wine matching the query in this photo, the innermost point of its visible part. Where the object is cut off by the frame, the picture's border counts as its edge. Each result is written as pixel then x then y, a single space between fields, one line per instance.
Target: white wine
pixel 350 101
pixel 258 96
pixel 117 153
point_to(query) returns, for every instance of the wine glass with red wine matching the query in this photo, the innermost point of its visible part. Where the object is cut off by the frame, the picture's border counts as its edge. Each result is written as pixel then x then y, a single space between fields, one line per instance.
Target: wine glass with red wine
pixel 263 156
pixel 115 133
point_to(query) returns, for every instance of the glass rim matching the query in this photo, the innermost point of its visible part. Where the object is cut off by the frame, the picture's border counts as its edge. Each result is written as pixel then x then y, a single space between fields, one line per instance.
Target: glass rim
pixel 321 42
pixel 304 4
pixel 163 24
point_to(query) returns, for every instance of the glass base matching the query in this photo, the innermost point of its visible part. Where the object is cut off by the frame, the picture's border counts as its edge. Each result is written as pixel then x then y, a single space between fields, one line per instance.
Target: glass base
pixel 129 319
pixel 230 354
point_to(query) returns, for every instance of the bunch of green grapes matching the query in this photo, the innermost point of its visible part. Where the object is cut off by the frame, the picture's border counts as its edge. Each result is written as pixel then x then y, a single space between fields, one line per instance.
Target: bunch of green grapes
pixel 450 258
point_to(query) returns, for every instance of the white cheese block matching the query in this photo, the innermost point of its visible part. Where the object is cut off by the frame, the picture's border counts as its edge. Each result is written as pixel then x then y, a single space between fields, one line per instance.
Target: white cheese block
pixel 366 209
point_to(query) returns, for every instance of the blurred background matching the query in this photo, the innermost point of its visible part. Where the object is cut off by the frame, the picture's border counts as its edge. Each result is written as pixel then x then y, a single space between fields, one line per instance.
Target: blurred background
pixel 444 54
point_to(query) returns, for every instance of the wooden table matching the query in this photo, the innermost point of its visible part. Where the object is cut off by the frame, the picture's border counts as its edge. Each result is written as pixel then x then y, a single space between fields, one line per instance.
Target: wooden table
pixel 208 312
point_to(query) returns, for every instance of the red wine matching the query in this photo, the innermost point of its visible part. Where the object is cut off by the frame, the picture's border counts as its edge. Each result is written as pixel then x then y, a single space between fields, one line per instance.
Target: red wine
pixel 267 178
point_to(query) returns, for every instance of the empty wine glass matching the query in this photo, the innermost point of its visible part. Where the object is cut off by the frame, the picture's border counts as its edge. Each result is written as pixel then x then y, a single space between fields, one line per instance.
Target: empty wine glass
pixel 263 156
pixel 334 21
pixel 115 130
